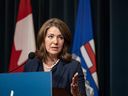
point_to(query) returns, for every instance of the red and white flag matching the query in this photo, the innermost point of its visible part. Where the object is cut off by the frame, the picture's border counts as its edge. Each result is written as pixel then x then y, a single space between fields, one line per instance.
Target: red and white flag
pixel 24 39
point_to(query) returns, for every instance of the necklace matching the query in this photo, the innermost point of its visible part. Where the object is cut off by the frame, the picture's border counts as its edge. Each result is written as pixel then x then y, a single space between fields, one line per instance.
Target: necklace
pixel 47 68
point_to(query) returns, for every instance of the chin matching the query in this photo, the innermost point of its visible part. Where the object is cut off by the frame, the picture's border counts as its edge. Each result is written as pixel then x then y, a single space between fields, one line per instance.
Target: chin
pixel 54 53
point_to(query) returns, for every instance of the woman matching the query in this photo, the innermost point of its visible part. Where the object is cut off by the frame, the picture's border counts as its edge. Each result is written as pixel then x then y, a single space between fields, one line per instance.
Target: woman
pixel 54 39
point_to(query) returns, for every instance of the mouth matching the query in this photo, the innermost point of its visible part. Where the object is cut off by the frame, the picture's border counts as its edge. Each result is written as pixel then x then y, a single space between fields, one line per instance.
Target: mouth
pixel 54 48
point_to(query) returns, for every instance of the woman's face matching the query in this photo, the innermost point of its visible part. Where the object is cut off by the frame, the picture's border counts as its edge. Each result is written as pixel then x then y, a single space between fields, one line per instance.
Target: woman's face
pixel 54 41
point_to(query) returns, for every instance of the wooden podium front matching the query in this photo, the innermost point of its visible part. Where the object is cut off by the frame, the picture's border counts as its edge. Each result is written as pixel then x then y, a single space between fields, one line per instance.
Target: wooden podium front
pixel 59 92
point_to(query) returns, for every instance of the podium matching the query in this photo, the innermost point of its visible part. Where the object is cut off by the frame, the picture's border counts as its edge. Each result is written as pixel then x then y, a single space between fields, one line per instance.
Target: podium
pixel 26 84
pixel 29 84
pixel 59 92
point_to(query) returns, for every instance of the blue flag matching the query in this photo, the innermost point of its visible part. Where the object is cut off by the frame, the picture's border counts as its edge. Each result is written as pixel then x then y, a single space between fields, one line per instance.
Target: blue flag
pixel 83 48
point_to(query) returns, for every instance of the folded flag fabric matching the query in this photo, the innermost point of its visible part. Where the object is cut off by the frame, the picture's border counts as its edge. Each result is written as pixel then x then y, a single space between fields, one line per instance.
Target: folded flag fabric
pixel 83 48
pixel 24 39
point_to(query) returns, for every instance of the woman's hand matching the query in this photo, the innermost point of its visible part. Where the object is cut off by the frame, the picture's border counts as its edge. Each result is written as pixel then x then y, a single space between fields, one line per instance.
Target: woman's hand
pixel 74 85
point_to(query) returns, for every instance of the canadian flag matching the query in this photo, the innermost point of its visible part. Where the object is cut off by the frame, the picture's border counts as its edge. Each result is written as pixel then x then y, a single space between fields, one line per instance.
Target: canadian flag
pixel 24 39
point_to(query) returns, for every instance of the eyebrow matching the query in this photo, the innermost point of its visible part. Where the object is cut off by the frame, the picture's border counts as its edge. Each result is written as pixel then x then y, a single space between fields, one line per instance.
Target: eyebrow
pixel 54 34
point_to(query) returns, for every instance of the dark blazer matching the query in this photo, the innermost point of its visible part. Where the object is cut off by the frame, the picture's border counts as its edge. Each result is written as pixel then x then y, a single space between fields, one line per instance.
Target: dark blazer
pixel 62 73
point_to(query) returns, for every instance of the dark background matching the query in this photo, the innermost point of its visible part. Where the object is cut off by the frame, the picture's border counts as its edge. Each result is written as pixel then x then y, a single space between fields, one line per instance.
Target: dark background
pixel 119 47
pixel 110 31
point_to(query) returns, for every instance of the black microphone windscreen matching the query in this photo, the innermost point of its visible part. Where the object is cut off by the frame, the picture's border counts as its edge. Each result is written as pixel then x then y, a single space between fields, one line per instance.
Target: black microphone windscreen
pixel 31 55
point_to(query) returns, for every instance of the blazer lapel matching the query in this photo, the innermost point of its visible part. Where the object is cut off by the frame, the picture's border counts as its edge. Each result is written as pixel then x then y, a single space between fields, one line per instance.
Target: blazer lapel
pixel 57 73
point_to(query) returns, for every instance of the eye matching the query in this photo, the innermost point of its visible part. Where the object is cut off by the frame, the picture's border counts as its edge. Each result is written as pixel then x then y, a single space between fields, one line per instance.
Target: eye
pixel 60 37
pixel 50 36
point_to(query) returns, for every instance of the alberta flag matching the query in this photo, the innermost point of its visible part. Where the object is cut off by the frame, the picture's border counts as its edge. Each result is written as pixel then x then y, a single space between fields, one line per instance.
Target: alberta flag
pixel 83 48
pixel 24 39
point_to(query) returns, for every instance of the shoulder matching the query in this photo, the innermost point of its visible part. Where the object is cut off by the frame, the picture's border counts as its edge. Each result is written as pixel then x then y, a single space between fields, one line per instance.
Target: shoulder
pixel 72 64
pixel 75 61
pixel 33 61
pixel 32 64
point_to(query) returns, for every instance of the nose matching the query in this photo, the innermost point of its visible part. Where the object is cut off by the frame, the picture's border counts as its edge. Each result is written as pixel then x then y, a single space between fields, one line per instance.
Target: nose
pixel 55 40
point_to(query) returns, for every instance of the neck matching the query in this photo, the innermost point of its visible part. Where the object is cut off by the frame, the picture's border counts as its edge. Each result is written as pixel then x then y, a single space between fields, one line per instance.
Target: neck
pixel 50 61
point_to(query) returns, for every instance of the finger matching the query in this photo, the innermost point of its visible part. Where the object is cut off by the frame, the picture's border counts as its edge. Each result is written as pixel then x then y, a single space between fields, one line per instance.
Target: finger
pixel 76 74
pixel 75 78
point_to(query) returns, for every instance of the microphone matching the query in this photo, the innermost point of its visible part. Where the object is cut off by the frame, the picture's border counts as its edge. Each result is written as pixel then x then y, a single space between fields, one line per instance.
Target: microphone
pixel 31 55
